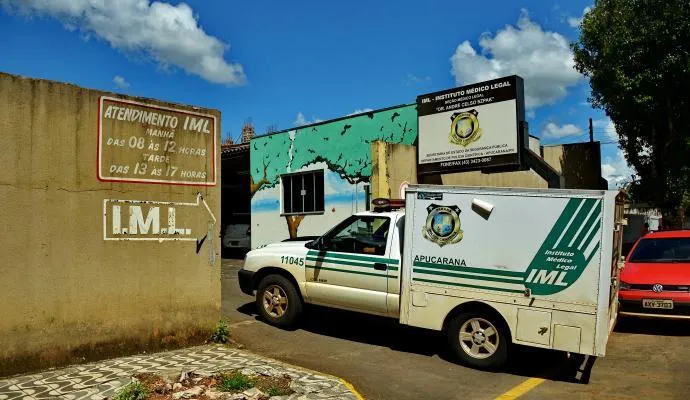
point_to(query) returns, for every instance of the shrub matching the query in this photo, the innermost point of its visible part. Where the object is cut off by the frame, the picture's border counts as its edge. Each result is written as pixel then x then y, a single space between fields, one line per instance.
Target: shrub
pixel 221 334
pixel 278 391
pixel 134 390
pixel 235 383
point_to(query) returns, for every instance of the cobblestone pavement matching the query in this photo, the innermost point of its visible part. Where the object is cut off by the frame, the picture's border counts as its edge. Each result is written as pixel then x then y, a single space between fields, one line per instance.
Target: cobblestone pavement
pixel 102 379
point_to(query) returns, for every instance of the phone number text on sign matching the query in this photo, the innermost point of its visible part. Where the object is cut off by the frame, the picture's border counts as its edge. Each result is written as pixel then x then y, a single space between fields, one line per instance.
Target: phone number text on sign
pixel 140 142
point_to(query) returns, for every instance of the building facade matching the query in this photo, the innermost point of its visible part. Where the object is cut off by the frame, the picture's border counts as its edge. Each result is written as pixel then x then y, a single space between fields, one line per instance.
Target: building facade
pixel 306 179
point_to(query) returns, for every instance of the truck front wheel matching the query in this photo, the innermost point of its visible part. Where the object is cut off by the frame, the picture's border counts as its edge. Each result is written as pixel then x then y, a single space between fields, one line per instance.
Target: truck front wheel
pixel 278 301
pixel 478 339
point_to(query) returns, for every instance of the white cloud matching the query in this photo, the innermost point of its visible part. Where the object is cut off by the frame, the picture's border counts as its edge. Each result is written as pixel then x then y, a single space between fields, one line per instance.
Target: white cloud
pixel 542 58
pixel 616 170
pixel 169 34
pixel 412 79
pixel 555 131
pixel 360 111
pixel 302 120
pixel 575 22
pixel 531 114
pixel 120 82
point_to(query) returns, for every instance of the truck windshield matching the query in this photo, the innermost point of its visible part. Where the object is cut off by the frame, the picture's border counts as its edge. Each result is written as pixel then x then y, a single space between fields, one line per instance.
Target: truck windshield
pixel 662 250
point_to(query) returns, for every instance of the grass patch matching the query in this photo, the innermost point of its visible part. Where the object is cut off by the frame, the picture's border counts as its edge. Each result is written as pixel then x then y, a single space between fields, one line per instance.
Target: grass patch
pixel 132 391
pixel 222 333
pixel 235 382
pixel 278 391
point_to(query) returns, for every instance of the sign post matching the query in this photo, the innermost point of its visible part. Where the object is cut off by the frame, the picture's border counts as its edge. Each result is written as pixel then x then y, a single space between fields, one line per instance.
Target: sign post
pixel 473 127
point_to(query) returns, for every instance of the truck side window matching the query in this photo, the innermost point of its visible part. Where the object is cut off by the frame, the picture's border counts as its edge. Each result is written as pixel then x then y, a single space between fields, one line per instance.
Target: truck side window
pixel 363 235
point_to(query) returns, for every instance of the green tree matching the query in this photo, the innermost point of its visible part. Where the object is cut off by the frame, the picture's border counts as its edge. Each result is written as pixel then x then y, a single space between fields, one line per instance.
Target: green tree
pixel 636 55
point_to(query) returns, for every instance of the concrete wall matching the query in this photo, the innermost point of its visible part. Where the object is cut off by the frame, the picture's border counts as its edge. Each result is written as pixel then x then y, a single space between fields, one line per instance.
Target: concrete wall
pixel 392 166
pixel 527 179
pixel 73 284
pixel 579 163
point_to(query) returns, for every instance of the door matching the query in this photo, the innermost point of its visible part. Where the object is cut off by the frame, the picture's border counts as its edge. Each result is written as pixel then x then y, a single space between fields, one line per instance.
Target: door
pixel 351 266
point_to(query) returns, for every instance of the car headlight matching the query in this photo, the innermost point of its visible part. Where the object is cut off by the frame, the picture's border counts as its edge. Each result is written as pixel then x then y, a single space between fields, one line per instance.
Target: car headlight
pixel 625 286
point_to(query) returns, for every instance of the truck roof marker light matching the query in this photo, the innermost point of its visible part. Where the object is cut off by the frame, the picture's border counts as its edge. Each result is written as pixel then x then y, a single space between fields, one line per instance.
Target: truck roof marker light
pixel 383 204
pixel 482 208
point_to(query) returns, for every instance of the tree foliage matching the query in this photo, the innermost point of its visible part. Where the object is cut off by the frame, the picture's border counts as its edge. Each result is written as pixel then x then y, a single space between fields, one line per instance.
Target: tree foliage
pixel 636 54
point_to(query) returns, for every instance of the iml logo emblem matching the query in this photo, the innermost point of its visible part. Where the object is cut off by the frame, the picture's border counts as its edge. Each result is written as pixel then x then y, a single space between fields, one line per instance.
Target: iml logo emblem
pixel 568 249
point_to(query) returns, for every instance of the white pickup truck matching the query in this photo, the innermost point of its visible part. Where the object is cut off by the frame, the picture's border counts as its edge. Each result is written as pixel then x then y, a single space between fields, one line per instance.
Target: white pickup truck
pixel 488 266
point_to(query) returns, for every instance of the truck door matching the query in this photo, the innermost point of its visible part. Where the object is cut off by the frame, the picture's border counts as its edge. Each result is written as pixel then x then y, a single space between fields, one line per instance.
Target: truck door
pixel 350 269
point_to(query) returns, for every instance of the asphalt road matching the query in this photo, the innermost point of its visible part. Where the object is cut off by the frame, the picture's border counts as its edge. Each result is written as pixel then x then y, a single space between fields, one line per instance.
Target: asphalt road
pixel 384 360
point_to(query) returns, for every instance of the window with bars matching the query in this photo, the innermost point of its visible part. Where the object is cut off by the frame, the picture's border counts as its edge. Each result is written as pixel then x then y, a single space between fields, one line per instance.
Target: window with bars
pixel 303 193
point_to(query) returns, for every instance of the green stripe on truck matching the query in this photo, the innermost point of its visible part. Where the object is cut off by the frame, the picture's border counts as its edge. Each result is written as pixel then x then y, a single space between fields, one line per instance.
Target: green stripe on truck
pixel 331 254
pixel 468 285
pixel 349 271
pixel 466 276
pixel 487 271
pixel 343 262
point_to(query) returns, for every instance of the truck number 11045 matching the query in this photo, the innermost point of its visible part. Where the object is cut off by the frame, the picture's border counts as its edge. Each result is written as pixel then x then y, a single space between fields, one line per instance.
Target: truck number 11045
pixel 292 260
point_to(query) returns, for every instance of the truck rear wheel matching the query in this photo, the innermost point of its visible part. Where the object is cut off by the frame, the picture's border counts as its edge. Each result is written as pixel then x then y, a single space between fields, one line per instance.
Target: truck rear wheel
pixel 278 301
pixel 479 340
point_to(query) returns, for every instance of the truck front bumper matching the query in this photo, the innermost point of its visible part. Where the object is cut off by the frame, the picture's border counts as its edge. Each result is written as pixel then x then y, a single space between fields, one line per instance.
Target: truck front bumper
pixel 246 279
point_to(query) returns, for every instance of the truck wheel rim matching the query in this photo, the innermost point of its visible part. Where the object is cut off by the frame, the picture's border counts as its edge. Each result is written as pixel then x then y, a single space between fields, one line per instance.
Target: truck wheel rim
pixel 275 301
pixel 479 338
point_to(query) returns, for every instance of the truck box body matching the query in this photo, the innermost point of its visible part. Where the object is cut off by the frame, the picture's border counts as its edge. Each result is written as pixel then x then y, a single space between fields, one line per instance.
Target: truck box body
pixel 544 259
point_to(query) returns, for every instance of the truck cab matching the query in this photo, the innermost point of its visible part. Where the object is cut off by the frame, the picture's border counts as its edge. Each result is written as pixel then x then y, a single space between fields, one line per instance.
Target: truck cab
pixel 354 266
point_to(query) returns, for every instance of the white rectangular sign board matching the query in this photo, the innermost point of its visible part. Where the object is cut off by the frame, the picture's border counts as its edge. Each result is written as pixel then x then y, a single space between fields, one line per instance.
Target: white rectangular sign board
pixel 472 127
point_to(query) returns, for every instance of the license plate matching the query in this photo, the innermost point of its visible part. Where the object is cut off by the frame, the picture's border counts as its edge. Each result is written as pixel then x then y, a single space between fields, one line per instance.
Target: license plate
pixel 654 303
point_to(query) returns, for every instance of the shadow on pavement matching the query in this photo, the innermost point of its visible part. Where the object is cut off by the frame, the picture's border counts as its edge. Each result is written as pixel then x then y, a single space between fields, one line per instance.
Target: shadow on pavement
pixel 387 332
pixel 649 326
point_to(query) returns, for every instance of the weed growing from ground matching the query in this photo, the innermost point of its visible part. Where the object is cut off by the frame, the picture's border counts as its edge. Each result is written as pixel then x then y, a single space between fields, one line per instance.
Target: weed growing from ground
pixel 236 382
pixel 278 391
pixel 221 334
pixel 132 391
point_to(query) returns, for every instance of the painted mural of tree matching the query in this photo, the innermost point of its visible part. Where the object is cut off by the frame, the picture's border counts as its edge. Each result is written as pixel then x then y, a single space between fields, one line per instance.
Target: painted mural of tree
pixel 343 145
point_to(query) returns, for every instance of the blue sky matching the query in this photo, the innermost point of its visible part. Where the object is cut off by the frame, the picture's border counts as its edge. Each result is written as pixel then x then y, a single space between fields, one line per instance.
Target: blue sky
pixel 287 63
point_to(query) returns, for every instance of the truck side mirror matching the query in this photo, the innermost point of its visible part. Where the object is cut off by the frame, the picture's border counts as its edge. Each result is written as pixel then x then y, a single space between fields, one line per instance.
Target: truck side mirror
pixel 314 244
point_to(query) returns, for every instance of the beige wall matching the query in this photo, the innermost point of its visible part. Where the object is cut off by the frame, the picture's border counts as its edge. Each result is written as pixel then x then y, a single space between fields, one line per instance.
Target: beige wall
pixel 66 293
pixel 527 179
pixel 579 163
pixel 392 165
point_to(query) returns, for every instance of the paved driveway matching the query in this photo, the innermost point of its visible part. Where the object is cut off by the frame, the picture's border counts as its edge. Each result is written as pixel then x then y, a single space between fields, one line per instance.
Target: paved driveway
pixel 384 360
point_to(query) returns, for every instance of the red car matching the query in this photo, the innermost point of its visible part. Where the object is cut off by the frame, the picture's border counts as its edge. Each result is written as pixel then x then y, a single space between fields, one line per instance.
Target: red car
pixel 656 279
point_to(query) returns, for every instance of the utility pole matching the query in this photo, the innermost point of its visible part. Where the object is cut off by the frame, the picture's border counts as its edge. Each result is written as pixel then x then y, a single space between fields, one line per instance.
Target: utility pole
pixel 591 130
